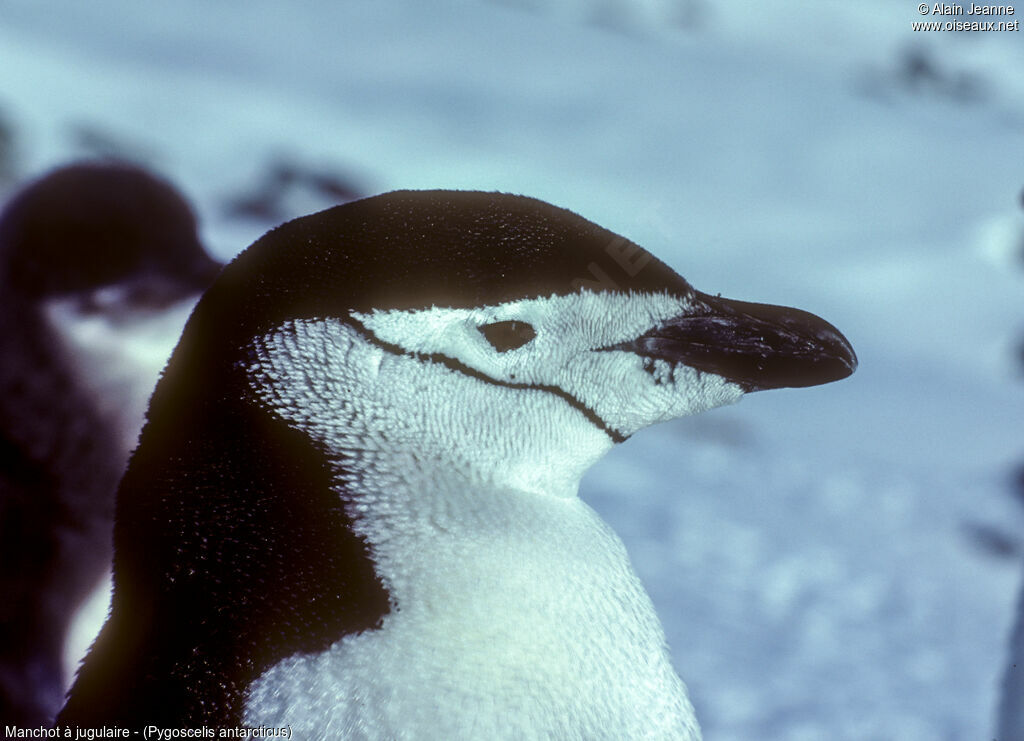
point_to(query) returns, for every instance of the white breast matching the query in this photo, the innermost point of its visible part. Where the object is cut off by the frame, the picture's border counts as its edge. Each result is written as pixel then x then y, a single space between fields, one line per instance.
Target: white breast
pixel 534 627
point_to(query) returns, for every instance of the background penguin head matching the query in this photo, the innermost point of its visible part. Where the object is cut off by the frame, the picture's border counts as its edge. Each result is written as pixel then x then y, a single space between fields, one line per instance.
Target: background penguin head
pixel 94 226
pixel 105 258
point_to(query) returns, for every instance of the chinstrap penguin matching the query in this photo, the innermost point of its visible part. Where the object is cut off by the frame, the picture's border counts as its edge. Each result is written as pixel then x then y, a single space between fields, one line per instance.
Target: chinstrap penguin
pixel 99 265
pixel 353 510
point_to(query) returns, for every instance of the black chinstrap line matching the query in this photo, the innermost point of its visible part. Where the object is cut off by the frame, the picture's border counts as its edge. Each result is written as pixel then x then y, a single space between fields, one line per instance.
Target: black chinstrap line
pixel 460 367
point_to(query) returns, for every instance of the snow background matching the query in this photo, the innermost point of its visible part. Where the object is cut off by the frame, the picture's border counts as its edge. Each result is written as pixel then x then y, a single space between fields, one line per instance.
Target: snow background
pixel 839 562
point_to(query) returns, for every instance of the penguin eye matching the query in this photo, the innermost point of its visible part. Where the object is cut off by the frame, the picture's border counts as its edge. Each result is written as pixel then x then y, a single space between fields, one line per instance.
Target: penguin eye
pixel 505 336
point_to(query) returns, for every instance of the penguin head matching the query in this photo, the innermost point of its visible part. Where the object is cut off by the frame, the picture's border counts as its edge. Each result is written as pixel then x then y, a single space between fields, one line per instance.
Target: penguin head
pixel 495 334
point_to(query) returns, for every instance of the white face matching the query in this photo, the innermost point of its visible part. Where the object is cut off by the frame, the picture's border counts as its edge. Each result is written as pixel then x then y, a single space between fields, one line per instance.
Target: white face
pixel 429 385
pixel 625 391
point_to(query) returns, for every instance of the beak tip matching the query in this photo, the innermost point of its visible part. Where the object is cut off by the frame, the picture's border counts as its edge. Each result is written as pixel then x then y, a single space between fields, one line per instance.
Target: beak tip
pixel 831 358
pixel 842 353
pixel 758 346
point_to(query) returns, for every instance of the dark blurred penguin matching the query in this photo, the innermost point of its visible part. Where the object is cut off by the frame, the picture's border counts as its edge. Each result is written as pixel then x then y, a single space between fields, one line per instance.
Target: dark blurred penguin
pixel 99 265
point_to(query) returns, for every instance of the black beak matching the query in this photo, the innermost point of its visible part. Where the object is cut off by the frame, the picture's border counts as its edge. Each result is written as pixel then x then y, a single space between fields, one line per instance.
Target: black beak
pixel 758 346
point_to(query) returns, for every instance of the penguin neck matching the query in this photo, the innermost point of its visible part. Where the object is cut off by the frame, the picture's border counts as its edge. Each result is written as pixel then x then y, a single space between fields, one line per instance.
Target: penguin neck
pixel 530 607
pixel 440 535
pixel 422 534
pixel 530 579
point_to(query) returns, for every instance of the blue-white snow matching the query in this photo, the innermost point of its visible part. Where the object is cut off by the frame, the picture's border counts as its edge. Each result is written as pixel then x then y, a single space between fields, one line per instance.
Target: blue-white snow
pixel 826 561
